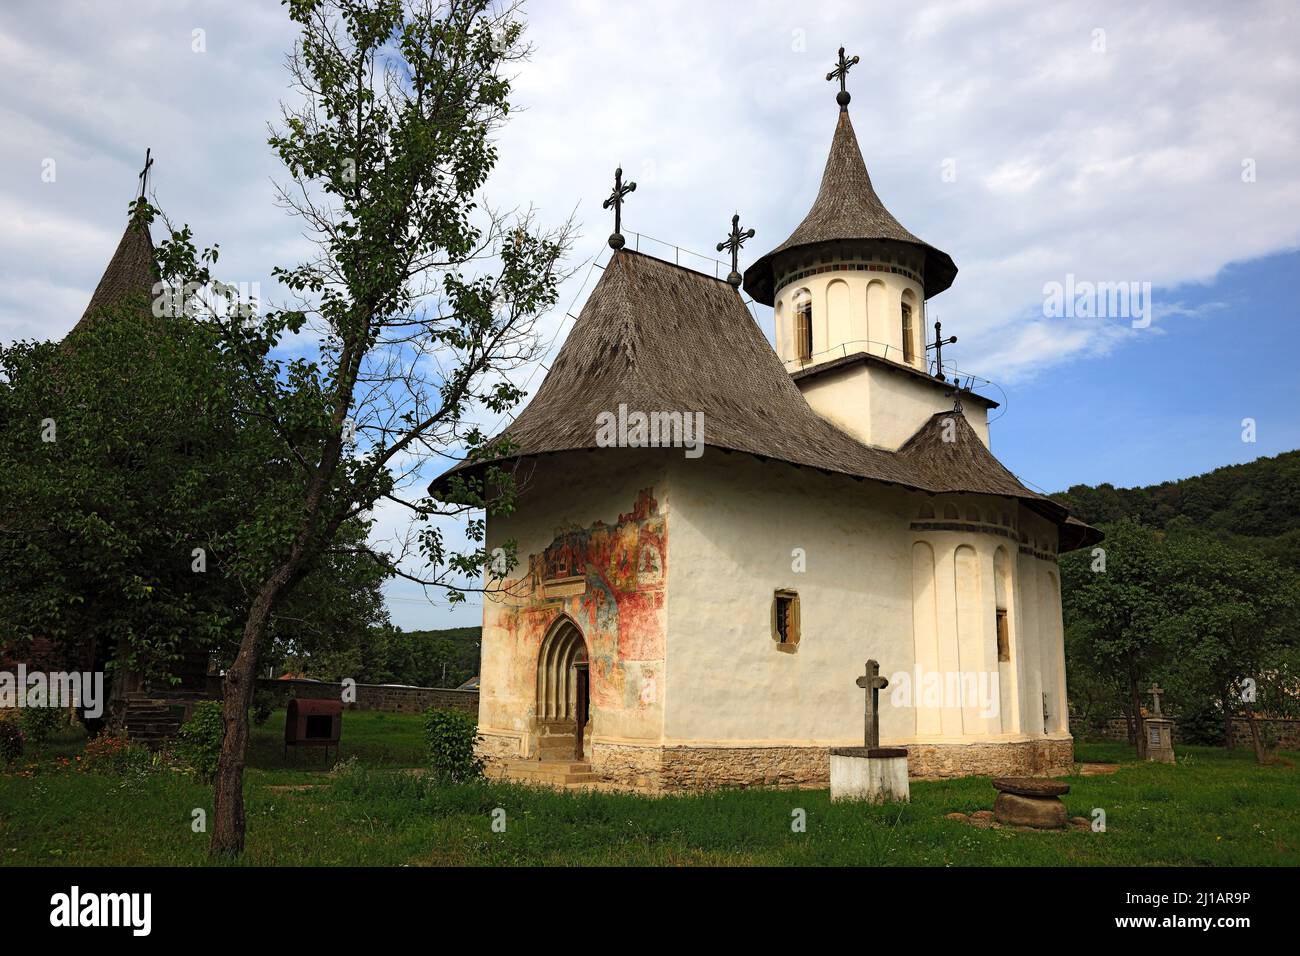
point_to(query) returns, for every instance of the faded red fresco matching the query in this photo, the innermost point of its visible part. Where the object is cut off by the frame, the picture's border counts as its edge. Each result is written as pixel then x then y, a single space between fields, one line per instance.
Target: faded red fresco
pixel 618 602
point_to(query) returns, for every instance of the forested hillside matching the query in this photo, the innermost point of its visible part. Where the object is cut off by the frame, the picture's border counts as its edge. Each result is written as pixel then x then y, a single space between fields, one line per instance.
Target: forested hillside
pixel 1259 500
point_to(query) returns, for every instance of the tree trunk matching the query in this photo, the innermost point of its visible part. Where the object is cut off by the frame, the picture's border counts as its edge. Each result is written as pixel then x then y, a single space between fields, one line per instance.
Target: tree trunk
pixel 1135 701
pixel 1260 755
pixel 238 687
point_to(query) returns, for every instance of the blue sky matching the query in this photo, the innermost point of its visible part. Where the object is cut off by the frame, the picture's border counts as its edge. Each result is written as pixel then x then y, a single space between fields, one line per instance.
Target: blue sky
pixel 1170 402
pixel 1104 141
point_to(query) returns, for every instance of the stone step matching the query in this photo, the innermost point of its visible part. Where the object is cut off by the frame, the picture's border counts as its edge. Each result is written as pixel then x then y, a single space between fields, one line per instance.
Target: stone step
pixel 555 773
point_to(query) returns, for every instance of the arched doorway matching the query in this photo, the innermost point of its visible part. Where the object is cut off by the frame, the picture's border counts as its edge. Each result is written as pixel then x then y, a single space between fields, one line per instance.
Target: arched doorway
pixel 563 693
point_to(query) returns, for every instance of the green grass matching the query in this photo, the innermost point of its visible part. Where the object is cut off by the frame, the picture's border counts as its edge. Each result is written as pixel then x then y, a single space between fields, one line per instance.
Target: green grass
pixel 1215 808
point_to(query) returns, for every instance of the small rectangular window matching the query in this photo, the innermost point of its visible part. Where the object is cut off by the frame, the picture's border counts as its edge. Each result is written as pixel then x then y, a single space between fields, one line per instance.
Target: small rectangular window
pixel 785 618
pixel 909 347
pixel 1004 639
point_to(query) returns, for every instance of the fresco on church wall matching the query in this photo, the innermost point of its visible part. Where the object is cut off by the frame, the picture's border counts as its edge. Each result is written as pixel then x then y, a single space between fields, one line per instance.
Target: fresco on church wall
pixel 617 602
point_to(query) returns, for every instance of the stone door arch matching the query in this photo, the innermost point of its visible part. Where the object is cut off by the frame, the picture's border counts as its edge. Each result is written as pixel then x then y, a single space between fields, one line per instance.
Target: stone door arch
pixel 563 692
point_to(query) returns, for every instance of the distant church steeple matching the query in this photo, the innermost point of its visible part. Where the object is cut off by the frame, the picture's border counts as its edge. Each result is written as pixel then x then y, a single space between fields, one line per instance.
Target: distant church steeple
pixel 131 270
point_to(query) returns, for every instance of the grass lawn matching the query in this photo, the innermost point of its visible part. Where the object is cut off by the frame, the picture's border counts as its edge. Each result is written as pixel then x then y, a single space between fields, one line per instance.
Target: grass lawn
pixel 1214 808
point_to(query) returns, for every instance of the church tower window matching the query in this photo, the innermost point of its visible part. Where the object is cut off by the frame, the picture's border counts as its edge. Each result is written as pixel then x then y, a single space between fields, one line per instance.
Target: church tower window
pixel 909 347
pixel 803 330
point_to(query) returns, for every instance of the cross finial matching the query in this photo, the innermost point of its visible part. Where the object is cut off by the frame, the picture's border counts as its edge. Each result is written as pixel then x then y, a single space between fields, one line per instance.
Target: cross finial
pixel 841 73
pixel 938 344
pixel 734 242
pixel 1156 691
pixel 615 199
pixel 144 173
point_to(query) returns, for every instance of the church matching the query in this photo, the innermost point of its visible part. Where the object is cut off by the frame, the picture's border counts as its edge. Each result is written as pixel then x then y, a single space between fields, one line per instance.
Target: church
pixel 694 614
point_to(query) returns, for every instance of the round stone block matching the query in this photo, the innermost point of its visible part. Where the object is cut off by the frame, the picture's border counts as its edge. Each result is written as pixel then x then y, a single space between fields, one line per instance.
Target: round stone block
pixel 1042 813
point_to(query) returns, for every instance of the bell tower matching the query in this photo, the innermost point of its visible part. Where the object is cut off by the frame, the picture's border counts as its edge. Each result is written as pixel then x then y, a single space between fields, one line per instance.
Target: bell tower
pixel 848 290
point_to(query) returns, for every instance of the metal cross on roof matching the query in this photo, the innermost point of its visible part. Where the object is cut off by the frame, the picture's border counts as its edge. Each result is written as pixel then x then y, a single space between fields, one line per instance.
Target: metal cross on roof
pixel 841 73
pixel 873 684
pixel 734 242
pixel 144 173
pixel 938 344
pixel 615 199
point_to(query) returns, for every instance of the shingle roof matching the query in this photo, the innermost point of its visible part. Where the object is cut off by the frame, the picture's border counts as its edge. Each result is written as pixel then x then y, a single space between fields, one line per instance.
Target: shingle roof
pixel 659 337
pixel 847 209
pixel 130 271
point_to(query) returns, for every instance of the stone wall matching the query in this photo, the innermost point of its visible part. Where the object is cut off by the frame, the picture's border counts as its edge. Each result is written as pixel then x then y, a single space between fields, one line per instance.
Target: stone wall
pixel 386 697
pixel 1286 730
pixel 707 768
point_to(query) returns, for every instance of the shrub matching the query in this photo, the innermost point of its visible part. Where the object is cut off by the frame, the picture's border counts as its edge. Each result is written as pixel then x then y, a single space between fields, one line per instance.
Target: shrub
pixel 263 704
pixel 1201 723
pixel 199 742
pixel 11 740
pixel 112 754
pixel 451 736
pixel 38 723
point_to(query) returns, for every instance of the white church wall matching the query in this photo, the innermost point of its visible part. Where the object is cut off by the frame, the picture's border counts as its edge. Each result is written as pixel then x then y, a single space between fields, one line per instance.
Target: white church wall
pixel 882 406
pixel 898 404
pixel 737 523
pixel 920 602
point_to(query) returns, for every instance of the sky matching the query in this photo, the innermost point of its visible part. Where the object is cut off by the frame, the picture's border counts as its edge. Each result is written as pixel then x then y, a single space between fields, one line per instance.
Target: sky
pixel 1145 143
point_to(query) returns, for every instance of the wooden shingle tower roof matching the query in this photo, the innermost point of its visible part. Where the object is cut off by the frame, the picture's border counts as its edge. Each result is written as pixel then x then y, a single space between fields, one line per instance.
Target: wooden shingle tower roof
pixel 131 272
pixel 846 211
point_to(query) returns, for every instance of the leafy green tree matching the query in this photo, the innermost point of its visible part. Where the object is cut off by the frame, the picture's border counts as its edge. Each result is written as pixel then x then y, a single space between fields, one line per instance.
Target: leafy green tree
pixel 130 463
pixel 421 300
pixel 1115 608
pixel 1231 615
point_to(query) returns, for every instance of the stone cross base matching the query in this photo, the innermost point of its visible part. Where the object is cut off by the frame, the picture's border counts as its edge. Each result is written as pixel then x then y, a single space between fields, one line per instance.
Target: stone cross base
pixel 876 774
pixel 1159 732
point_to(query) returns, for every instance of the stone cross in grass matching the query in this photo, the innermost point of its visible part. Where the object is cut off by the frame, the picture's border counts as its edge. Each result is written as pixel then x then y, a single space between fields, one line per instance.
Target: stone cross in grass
pixel 873 684
pixel 1156 691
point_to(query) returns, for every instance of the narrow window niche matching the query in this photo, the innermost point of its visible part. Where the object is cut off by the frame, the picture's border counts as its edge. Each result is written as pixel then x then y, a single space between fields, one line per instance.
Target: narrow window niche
pixel 785 619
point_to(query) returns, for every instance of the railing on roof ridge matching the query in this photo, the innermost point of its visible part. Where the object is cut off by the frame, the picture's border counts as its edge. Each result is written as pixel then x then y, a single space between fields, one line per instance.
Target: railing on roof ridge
pixel 720 268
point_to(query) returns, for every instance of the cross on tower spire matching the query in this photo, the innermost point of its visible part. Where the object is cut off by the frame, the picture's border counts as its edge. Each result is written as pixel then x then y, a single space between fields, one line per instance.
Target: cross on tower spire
pixel 734 242
pixel 144 173
pixel 841 73
pixel 621 189
pixel 938 344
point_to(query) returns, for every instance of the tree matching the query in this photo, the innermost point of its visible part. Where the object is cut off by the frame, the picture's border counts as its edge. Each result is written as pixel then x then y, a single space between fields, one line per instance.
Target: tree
pixel 1115 610
pixel 124 505
pixel 420 296
pixel 1230 618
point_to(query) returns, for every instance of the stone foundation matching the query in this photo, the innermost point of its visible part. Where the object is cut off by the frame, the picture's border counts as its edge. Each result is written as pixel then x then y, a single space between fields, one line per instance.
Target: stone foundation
pixel 710 768
pixel 1023 758
pixel 496 748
